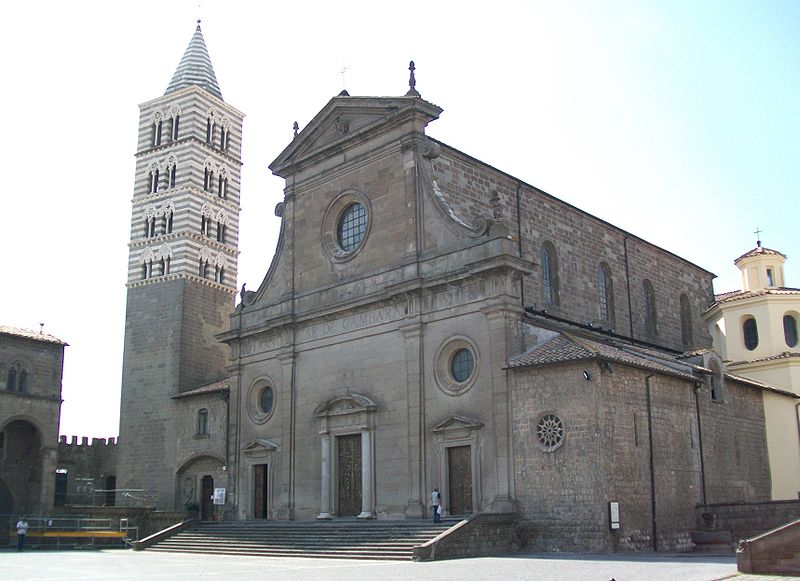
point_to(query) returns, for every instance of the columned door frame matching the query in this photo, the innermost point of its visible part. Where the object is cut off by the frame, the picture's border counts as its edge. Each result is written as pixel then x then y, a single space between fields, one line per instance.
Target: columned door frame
pixel 340 416
pixel 458 431
pixel 258 452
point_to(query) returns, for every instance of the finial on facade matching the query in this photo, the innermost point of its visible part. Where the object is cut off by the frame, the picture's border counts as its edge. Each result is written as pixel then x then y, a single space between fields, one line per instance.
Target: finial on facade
pixel 412 82
pixel 758 236
pixel 41 328
pixel 296 128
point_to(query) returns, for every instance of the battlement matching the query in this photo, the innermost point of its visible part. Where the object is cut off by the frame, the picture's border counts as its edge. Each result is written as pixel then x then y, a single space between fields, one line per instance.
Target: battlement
pixel 62 441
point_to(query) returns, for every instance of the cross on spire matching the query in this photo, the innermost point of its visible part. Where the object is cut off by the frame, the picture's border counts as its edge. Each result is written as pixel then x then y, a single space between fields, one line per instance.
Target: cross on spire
pixel 758 236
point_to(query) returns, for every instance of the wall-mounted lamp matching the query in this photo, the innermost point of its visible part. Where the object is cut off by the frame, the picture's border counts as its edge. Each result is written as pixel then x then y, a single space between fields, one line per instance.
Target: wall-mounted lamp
pixel 586 375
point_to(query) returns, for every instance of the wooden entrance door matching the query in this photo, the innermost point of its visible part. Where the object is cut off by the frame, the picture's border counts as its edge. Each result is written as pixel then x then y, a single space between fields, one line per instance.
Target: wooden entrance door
pixel 459 469
pixel 206 498
pixel 260 491
pixel 348 469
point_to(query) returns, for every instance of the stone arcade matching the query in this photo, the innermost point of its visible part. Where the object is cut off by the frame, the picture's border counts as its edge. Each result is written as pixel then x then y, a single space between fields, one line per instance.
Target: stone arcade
pixel 427 320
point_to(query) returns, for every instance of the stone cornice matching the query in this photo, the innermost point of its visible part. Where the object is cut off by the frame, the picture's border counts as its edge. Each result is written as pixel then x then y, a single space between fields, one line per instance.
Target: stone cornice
pixel 177 276
pixel 188 140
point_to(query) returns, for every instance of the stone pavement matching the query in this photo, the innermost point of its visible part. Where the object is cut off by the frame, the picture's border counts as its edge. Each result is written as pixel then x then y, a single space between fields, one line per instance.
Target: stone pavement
pixel 123 565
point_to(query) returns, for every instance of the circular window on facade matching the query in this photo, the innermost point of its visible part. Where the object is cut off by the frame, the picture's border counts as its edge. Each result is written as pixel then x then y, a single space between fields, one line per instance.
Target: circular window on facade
pixel 346 225
pixel 352 227
pixel 456 365
pixel 462 365
pixel 549 431
pixel 261 400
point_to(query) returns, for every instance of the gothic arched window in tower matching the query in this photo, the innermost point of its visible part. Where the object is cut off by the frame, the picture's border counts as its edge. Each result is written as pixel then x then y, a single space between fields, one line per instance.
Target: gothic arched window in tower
pixel 606 293
pixel 169 211
pixel 550 282
pixel 223 139
pixel 222 220
pixel 172 170
pixel 222 186
pixel 208 176
pixel 156 132
pixel 649 309
pixel 153 178
pixel 166 258
pixel 211 123
pixel 174 121
pixel 150 222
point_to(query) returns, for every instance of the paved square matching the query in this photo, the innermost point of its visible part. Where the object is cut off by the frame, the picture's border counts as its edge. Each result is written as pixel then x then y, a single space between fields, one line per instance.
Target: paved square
pixel 123 565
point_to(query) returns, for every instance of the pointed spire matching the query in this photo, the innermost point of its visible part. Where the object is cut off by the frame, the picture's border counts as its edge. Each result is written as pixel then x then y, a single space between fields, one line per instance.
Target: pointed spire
pixel 195 68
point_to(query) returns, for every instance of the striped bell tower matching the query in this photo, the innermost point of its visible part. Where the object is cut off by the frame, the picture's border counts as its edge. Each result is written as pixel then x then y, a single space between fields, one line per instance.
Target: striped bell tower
pixel 182 265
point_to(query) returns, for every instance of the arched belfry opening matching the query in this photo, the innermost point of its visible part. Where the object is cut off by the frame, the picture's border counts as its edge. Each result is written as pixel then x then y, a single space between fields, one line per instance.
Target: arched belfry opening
pixel 347 428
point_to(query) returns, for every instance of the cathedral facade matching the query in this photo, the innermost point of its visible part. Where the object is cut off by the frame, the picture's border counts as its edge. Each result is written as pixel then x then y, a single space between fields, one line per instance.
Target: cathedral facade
pixel 427 321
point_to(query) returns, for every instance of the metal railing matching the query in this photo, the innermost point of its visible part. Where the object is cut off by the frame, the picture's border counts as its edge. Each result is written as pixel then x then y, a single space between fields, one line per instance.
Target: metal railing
pixel 72 530
pixel 126 497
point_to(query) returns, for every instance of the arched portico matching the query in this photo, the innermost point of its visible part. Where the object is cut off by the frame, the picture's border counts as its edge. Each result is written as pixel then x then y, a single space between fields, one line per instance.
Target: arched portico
pixel 196 473
pixel 346 428
pixel 28 467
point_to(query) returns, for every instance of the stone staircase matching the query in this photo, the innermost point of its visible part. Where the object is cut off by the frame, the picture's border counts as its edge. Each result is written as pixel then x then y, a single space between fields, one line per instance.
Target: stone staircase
pixel 338 539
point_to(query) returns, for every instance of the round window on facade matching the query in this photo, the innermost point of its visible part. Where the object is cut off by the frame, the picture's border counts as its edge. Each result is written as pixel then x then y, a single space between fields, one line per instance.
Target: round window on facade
pixel 462 365
pixel 265 400
pixel 549 431
pixel 346 225
pixel 456 365
pixel 352 227
pixel 261 400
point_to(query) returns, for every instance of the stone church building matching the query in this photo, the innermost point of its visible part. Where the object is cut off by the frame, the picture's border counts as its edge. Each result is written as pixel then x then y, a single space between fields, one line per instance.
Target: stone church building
pixel 427 321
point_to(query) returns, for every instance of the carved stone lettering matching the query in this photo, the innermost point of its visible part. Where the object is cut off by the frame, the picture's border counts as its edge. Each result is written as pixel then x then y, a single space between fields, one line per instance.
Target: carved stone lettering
pixel 354 322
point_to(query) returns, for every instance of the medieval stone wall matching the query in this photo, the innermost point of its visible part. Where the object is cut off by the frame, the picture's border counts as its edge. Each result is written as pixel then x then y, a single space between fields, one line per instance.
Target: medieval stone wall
pixel 563 495
pixel 87 468
pixel 581 242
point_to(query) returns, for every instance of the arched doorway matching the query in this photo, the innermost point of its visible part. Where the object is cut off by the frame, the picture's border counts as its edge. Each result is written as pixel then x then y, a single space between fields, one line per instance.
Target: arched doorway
pixel 21 465
pixel 195 484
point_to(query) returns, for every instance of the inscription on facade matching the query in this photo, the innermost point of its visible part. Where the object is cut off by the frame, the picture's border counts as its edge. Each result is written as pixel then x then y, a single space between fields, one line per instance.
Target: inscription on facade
pixel 459 295
pixel 264 343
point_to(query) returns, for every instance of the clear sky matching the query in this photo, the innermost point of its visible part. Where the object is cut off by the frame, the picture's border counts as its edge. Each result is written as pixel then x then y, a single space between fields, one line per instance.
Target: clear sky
pixel 675 120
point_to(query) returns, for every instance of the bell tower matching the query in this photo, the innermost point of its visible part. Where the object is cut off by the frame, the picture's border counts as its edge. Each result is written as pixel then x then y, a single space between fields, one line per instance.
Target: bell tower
pixel 182 265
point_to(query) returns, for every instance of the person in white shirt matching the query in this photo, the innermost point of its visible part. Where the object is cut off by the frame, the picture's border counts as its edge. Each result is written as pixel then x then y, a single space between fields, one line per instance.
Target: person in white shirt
pixel 22 530
pixel 436 503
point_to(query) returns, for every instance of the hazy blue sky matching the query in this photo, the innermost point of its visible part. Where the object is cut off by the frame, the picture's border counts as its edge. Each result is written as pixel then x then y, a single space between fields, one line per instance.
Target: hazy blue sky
pixel 677 121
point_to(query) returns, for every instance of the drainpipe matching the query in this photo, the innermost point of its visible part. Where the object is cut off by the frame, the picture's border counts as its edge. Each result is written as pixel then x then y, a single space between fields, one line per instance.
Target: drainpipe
pixel 628 284
pixel 700 443
pixel 652 463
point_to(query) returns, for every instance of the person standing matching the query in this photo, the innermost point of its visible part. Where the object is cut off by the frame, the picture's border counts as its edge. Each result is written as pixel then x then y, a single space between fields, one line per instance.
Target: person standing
pixel 22 530
pixel 436 503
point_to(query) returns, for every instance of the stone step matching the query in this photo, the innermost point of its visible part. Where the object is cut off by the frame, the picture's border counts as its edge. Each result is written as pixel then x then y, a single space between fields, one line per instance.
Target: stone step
pixel 342 539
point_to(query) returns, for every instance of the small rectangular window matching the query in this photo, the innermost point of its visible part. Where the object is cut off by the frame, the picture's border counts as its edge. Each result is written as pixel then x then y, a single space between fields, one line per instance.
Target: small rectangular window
pixel 770 279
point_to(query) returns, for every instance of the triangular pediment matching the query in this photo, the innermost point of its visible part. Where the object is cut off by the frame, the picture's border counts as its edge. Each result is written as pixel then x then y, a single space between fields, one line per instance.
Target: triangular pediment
pixel 346 120
pixel 345 404
pixel 453 423
pixel 260 447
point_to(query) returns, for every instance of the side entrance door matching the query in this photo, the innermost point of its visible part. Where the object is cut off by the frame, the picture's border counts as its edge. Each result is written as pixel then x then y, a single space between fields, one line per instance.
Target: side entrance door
pixel 459 469
pixel 260 509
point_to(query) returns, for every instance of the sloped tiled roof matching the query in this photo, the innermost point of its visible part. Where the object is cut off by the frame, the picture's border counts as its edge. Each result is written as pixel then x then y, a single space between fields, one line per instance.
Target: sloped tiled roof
pixel 758 250
pixel 784 355
pixel 195 68
pixel 566 347
pixel 217 386
pixel 760 385
pixel 33 335
pixel 740 294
